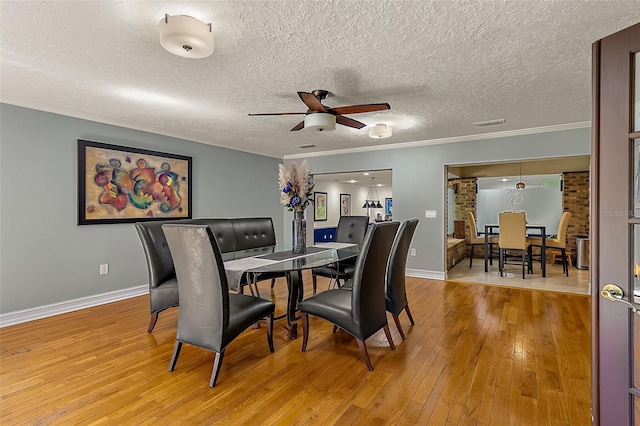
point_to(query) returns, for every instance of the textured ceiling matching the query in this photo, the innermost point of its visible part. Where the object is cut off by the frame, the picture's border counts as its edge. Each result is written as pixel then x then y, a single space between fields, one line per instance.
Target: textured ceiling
pixel 440 64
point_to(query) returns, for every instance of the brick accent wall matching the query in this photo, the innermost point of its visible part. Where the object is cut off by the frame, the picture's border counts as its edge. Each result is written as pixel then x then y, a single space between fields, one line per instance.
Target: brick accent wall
pixel 466 200
pixel 575 199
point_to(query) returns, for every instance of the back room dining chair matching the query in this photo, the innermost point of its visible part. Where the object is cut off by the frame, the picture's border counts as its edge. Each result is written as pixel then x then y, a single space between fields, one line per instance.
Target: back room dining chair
pixel 560 242
pixel 476 240
pixel 513 236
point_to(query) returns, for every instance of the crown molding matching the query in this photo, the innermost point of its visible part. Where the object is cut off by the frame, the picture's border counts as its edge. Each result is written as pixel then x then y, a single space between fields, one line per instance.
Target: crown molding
pixel 455 139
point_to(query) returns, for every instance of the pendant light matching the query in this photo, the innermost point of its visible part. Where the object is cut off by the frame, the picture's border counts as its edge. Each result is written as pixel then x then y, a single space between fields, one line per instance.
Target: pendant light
pixel 370 202
pixel 520 184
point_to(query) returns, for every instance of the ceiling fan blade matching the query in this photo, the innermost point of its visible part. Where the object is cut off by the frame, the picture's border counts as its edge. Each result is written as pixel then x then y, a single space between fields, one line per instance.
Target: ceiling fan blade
pixel 346 121
pixel 312 102
pixel 299 126
pixel 279 113
pixel 355 109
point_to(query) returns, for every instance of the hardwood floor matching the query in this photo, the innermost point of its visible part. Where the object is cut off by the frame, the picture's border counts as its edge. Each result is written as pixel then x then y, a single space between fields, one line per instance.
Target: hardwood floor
pixel 477 355
pixel 577 282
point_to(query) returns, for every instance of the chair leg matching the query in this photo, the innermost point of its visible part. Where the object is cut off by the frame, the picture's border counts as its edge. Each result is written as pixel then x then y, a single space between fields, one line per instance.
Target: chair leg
pixel 524 256
pixel 388 333
pixel 217 363
pixel 270 332
pixel 273 283
pixel 175 355
pixel 152 322
pixel 305 331
pixel 500 261
pixel 490 254
pixel 396 319
pixel 471 256
pixel 365 354
pixel 314 278
pixel 406 308
pixel 564 261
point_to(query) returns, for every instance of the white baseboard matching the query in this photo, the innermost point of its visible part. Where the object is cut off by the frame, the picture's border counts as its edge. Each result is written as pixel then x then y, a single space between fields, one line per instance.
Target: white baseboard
pixel 422 273
pixel 17 317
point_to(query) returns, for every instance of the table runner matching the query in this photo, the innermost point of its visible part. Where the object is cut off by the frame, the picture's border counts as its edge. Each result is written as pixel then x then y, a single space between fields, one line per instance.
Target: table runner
pixel 236 268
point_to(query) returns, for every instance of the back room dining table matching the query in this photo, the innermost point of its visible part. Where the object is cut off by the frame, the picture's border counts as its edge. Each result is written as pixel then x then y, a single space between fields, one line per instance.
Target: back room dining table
pixel 489 229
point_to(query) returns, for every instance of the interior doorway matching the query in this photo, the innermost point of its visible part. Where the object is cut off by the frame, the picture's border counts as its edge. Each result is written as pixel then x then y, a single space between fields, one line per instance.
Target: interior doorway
pixel 550 187
pixel 358 193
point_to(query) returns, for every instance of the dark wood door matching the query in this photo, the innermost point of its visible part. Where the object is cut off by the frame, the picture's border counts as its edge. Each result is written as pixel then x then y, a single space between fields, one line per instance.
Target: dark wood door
pixel 615 237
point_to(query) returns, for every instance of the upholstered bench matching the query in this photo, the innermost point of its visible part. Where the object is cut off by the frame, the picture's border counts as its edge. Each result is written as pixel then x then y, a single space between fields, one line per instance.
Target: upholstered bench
pixel 238 237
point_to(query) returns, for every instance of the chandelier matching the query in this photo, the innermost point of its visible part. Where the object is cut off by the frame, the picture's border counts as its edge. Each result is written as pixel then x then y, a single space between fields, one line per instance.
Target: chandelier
pixel 370 202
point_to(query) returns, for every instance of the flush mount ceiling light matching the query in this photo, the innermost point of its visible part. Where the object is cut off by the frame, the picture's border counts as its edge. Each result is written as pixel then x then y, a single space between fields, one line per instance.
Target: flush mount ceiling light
pixel 186 36
pixel 380 131
pixel 320 121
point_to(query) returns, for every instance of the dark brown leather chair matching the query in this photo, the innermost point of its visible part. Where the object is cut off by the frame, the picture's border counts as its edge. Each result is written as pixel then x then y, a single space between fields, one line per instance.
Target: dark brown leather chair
pixel 351 229
pixel 163 287
pixel 209 317
pixel 396 296
pixel 361 312
pixel 236 238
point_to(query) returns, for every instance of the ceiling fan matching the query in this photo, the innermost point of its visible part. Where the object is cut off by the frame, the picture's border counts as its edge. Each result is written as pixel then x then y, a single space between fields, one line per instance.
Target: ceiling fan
pixel 321 117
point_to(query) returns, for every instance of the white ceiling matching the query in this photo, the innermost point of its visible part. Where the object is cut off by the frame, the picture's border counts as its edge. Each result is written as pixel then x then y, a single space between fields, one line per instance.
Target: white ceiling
pixel 440 64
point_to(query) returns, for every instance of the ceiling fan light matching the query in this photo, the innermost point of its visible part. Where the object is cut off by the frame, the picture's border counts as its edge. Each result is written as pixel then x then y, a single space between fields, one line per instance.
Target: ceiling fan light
pixel 320 121
pixel 186 36
pixel 380 131
pixel 520 185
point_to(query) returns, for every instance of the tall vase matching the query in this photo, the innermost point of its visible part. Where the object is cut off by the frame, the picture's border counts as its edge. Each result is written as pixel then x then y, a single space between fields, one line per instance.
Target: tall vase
pixel 299 233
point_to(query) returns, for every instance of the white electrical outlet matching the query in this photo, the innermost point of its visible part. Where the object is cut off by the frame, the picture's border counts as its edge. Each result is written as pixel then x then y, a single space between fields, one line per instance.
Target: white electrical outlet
pixel 430 214
pixel 104 269
pixel 413 252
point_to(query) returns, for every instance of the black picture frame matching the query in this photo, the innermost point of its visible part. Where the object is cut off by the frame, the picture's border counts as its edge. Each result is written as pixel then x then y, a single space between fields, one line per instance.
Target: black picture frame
pixel 120 184
pixel 345 204
pixel 320 206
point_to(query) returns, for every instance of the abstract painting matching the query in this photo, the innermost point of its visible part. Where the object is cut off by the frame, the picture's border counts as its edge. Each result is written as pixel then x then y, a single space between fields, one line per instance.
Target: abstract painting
pixel 118 184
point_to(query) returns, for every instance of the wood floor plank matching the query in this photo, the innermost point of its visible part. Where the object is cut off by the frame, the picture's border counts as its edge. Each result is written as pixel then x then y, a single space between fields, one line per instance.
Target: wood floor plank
pixel 477 355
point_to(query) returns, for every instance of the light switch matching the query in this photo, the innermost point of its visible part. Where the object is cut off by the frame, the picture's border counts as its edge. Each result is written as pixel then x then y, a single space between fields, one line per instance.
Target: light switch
pixel 430 214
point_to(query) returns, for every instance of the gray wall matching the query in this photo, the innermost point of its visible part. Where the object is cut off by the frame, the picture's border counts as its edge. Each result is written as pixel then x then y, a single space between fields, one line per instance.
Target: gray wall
pixel 419 179
pixel 45 257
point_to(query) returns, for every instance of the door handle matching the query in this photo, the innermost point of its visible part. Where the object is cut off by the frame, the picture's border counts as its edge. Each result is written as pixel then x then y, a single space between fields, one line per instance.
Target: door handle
pixel 614 293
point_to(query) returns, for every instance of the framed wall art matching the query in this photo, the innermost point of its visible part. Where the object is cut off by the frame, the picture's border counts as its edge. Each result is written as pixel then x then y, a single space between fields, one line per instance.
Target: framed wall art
pixel 320 206
pixel 118 184
pixel 345 204
pixel 388 206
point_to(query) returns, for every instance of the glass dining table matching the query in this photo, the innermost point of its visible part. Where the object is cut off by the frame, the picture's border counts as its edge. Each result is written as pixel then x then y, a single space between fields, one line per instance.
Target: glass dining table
pixel 283 261
pixel 489 229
